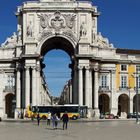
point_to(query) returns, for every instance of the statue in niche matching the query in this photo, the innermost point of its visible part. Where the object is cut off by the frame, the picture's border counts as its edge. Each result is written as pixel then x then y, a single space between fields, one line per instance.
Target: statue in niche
pixel 30 30
pixel 83 31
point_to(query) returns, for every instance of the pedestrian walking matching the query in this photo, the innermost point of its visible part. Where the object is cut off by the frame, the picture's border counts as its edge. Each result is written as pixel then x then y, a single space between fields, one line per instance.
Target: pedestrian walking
pixel 65 120
pixel 49 118
pixel 38 119
pixel 55 121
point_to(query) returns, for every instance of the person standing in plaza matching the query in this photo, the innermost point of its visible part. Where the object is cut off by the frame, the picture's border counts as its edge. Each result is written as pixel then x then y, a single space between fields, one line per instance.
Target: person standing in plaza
pixel 38 119
pixel 49 118
pixel 55 120
pixel 65 120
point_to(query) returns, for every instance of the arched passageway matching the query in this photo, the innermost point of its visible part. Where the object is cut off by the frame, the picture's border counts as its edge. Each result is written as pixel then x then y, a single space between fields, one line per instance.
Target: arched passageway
pixel 58 45
pixel 134 103
pixel 123 104
pixel 10 105
pixel 104 103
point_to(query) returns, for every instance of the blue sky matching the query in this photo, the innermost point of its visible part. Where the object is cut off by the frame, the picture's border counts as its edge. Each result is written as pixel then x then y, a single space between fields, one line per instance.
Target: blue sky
pixel 119 22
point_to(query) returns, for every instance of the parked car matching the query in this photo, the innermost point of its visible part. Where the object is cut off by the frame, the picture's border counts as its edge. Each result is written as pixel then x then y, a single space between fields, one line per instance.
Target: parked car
pixel 102 116
pixel 110 116
pixel 133 115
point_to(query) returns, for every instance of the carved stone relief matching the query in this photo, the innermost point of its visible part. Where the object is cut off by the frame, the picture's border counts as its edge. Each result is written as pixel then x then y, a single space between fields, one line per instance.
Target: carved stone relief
pixel 10 41
pixel 57 21
pixel 60 23
pixel 99 40
pixel 43 20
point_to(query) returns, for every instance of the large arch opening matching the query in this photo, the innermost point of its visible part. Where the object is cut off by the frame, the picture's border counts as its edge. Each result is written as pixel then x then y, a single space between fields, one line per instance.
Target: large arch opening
pixel 123 104
pixel 57 54
pixel 10 105
pixel 104 103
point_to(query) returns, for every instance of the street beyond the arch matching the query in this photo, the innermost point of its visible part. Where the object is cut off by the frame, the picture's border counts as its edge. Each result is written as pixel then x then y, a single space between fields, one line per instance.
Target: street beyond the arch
pixel 105 130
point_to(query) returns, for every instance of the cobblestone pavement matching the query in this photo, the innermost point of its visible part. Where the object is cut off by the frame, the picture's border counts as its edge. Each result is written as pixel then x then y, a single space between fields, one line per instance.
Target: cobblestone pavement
pixel 106 130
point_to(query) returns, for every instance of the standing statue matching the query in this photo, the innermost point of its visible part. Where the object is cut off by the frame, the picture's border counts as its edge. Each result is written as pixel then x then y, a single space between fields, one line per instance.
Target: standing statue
pixel 83 31
pixel 30 30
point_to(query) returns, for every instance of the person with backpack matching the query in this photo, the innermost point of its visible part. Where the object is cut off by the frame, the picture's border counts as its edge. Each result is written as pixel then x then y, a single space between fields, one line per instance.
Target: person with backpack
pixel 65 120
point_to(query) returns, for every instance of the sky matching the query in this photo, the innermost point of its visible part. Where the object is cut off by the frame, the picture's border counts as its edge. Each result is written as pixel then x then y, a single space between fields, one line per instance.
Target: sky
pixel 119 22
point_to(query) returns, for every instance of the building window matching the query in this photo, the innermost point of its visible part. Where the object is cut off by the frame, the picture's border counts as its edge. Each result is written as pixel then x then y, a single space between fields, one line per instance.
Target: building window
pixel 11 81
pixel 103 80
pixel 138 69
pixel 138 72
pixel 123 67
pixel 139 81
pixel 123 81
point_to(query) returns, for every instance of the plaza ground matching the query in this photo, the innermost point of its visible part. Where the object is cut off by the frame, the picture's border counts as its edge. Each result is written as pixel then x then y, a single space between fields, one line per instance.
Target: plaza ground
pixel 97 130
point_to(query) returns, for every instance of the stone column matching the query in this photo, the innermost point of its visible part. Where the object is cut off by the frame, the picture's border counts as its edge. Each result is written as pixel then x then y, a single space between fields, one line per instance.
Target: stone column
pixel 27 87
pixel 87 84
pixel 18 89
pixel 131 100
pixel 96 95
pixel 38 84
pixel 18 93
pixel 80 85
pixel 90 89
pixel 131 106
pixel 34 85
pixel 113 107
pixel 75 93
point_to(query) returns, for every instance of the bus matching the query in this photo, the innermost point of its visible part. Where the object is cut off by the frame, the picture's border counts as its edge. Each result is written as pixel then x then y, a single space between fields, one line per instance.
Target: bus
pixel 74 111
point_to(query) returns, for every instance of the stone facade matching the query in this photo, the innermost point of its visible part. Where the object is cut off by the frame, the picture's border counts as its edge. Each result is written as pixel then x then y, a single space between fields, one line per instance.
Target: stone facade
pixel 96 64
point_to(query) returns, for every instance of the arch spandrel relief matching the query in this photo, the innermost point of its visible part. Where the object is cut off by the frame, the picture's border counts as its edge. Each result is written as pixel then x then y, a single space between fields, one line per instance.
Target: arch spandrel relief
pixel 56 23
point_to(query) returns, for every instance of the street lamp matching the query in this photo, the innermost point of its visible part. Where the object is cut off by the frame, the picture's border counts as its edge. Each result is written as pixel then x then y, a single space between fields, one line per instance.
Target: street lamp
pixel 137 101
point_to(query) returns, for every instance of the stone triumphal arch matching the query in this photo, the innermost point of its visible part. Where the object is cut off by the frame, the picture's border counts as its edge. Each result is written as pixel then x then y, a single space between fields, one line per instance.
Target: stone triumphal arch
pixel 69 25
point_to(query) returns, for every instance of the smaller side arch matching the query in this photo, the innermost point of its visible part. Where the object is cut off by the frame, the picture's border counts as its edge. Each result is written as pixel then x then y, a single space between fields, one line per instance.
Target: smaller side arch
pixel 123 105
pixel 135 103
pixel 10 105
pixel 104 101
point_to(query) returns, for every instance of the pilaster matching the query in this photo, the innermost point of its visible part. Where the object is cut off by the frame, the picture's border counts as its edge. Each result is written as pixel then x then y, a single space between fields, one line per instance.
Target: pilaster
pixel 80 68
pixel 27 87
pixel 34 85
pixel 96 95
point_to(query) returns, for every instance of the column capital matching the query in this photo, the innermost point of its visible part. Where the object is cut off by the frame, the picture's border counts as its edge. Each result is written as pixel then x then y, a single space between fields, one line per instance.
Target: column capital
pixel 113 71
pixel 96 69
pixel 38 68
pixel 87 67
pixel 80 67
pixel 33 67
pixel 18 69
pixel 26 67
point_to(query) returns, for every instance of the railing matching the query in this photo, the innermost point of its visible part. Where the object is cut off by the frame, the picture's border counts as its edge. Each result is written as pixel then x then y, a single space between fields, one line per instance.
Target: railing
pixel 138 88
pixel 123 88
pixel 9 89
pixel 102 88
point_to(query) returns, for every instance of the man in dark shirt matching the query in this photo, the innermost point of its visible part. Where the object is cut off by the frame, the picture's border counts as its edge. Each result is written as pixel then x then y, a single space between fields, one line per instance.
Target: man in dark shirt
pixel 65 120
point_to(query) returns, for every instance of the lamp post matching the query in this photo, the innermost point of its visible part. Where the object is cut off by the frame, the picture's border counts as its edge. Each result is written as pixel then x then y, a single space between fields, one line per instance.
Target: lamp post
pixel 137 100
pixel 137 105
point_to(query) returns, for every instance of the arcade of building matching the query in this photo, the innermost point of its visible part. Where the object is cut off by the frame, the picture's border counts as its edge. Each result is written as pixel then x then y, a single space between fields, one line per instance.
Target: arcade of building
pixel 102 75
